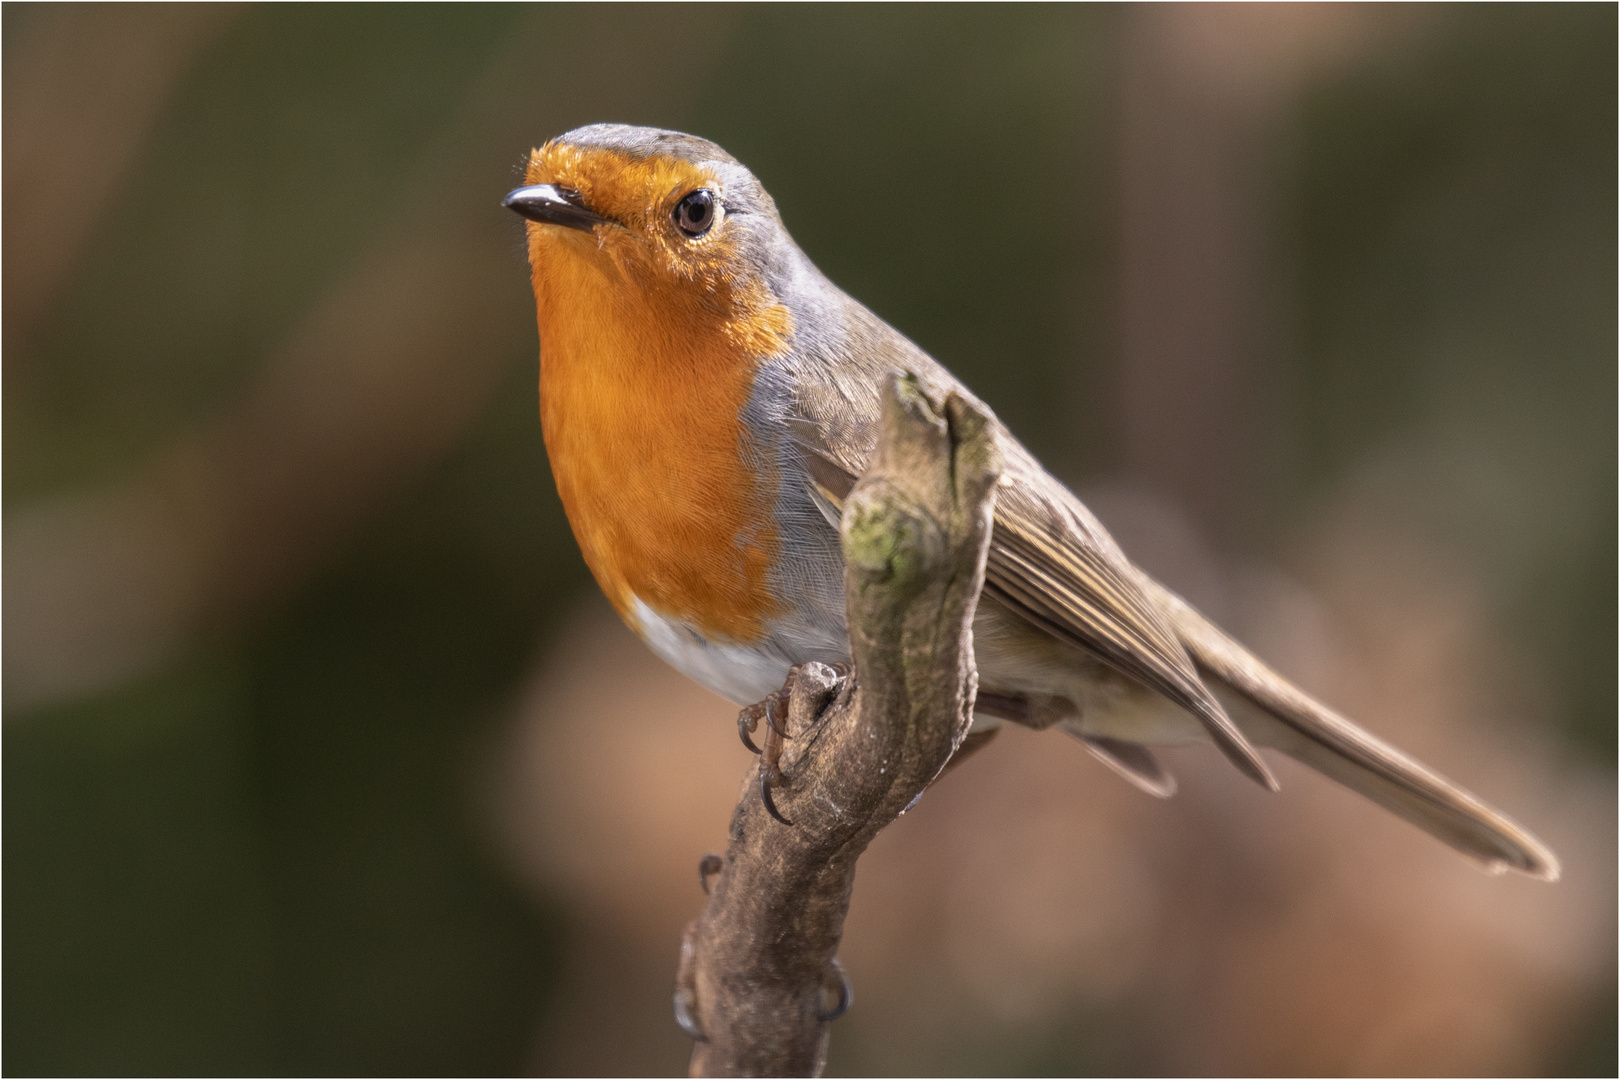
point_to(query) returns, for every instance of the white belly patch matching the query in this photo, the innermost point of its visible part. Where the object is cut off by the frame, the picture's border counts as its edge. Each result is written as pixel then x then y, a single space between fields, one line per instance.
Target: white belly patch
pixel 740 673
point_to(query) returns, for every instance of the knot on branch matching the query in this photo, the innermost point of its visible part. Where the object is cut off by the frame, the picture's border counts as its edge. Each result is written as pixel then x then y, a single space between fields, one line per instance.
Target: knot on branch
pixel 924 503
pixel 759 963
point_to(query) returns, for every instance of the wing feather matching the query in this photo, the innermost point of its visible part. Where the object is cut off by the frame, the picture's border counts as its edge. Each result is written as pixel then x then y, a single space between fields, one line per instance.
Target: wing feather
pixel 1079 591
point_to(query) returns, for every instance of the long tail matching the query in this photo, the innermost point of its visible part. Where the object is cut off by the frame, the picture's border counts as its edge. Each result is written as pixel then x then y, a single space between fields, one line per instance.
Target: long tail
pixel 1301 727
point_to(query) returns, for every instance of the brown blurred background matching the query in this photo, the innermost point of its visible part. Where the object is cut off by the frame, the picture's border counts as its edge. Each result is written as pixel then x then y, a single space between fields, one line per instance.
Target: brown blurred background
pixel 322 754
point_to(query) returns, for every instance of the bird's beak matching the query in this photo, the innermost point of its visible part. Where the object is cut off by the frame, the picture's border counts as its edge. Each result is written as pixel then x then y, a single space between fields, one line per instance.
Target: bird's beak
pixel 552 206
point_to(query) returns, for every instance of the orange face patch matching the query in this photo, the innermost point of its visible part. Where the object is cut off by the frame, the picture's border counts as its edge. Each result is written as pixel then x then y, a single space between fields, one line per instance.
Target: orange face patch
pixel 648 348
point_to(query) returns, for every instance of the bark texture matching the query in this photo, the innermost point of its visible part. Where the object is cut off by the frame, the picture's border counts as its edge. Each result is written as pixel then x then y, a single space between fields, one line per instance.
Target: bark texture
pixel 758 975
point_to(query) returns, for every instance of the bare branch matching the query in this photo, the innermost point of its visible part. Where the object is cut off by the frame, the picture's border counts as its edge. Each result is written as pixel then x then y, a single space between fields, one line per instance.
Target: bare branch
pixel 759 979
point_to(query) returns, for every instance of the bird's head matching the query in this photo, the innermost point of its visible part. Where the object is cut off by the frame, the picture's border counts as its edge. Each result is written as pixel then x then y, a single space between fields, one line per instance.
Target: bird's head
pixel 645 216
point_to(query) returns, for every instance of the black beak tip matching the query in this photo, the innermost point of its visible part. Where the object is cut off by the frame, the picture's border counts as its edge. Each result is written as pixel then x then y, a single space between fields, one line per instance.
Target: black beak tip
pixel 520 202
pixel 551 206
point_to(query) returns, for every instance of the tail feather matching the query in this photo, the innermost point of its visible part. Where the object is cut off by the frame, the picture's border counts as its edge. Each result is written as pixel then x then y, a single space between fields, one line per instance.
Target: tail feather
pixel 1133 761
pixel 1301 727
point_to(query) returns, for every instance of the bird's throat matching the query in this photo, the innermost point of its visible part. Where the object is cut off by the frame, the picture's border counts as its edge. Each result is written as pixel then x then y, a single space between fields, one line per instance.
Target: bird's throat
pixel 642 400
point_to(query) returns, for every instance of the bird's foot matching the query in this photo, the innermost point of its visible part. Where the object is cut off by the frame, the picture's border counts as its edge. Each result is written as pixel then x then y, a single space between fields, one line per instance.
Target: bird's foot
pixel 814 685
pixel 770 756
pixel 773 710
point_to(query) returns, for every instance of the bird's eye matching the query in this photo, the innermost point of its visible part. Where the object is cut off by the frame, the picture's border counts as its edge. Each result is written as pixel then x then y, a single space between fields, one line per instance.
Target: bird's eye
pixel 694 214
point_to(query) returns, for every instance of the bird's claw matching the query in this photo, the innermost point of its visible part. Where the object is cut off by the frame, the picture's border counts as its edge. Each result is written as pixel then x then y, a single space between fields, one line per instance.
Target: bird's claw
pixel 685 1001
pixel 770 710
pixel 747 721
pixel 708 866
pixel 846 993
pixel 765 777
pixel 776 706
pixel 773 710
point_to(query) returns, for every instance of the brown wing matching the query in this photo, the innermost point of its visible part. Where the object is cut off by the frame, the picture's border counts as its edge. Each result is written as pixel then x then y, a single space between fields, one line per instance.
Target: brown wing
pixel 1046 565
pixel 1044 568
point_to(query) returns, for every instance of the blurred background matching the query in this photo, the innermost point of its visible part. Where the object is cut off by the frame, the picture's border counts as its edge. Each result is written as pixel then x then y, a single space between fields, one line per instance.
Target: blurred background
pixel 322 754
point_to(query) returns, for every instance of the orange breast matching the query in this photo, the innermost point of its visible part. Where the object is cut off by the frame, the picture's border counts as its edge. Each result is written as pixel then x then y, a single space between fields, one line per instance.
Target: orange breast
pixel 642 388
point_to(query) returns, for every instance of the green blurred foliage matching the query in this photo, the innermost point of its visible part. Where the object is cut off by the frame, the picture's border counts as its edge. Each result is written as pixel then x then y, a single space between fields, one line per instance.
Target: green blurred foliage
pixel 949 168
pixel 276 158
pixel 1455 233
pixel 268 858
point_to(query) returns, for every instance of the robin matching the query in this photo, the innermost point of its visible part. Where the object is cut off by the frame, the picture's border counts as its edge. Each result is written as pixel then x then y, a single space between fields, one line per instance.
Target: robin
pixel 708 398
